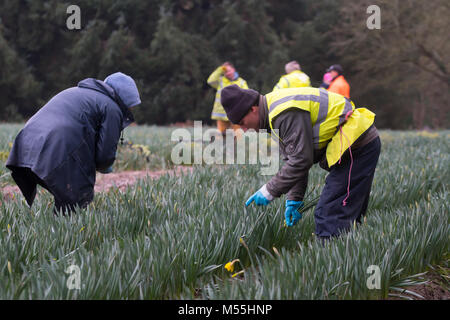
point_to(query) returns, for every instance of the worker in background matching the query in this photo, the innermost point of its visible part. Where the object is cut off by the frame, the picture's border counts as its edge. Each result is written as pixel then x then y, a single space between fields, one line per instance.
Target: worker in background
pixel 70 138
pixel 313 125
pixel 338 84
pixel 293 78
pixel 225 75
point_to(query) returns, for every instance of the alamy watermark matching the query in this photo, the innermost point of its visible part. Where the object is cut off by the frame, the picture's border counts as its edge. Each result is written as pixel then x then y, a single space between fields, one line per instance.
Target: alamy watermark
pixel 374 280
pixel 74 279
pixel 73 22
pixel 211 147
pixel 374 20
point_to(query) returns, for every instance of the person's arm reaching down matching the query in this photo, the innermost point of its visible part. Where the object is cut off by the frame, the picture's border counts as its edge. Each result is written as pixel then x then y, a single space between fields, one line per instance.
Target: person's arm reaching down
pixel 108 137
pixel 295 130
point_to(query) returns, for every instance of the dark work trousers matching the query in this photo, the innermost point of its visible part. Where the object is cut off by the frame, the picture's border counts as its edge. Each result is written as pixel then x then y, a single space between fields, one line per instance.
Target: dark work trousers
pixel 331 217
pixel 27 181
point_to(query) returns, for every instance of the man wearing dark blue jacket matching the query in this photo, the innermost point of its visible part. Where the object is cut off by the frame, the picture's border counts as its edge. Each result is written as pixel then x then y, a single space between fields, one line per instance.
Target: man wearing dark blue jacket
pixel 70 138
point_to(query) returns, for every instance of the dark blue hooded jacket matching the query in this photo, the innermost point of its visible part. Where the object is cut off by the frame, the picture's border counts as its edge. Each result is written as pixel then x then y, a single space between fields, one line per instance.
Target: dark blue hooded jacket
pixel 68 139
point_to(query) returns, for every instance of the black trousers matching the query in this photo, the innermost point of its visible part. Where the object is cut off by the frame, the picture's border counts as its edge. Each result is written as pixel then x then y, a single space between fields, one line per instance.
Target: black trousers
pixel 331 216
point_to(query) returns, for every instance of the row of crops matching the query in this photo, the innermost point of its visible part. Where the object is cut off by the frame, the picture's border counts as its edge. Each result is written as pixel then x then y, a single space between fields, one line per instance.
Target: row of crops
pixel 171 238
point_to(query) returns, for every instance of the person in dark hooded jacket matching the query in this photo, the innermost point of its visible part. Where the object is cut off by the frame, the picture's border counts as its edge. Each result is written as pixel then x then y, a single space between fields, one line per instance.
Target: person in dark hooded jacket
pixel 70 138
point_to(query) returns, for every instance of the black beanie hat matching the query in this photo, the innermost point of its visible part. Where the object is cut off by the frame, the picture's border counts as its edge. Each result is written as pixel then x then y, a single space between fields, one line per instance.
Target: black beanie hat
pixel 237 102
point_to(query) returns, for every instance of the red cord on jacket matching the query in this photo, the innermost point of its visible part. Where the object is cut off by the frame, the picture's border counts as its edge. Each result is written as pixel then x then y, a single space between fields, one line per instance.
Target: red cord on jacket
pixel 344 202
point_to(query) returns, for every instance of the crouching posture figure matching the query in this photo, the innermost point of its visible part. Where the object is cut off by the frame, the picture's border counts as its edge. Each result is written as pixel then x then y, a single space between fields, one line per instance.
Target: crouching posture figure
pixel 70 138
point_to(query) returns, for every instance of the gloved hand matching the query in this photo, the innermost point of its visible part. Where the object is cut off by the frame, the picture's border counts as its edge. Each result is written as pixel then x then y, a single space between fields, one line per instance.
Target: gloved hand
pixel 106 171
pixel 261 198
pixel 292 216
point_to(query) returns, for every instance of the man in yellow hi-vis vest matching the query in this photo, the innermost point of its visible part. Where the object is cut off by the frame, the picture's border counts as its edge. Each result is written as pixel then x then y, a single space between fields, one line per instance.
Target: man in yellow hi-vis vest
pixel 313 125
pixel 224 75
pixel 294 77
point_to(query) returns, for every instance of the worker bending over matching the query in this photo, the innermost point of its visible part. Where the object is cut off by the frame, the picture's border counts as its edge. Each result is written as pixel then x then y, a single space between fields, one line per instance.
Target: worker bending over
pixel 313 126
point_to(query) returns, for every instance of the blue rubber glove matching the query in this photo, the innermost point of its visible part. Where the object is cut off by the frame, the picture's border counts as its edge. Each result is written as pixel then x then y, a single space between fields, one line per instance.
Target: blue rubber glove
pixel 106 171
pixel 261 198
pixel 292 216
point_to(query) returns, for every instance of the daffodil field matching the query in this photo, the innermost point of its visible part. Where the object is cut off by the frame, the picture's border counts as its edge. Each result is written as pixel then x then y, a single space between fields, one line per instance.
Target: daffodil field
pixel 191 237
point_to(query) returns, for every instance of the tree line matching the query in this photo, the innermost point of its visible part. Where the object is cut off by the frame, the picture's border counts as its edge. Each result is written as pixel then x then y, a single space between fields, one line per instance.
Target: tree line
pixel 170 47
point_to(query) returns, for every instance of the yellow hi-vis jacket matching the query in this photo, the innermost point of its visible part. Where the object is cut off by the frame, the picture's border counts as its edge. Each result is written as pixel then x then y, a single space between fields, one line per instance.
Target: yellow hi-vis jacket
pixel 295 79
pixel 218 81
pixel 328 111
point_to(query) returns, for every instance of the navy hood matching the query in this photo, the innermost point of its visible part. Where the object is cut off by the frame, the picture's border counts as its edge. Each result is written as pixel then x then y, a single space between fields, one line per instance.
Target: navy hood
pixel 125 87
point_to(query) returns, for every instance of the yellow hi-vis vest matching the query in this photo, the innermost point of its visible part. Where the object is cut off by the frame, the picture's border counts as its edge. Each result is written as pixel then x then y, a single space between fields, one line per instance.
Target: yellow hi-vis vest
pixel 295 79
pixel 328 111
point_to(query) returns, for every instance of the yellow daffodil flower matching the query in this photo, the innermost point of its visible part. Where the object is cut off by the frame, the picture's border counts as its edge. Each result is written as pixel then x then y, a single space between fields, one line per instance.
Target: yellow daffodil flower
pixel 230 265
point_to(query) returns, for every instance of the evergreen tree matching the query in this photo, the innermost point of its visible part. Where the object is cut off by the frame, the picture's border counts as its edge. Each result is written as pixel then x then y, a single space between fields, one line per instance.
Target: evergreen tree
pixel 18 88
pixel 176 74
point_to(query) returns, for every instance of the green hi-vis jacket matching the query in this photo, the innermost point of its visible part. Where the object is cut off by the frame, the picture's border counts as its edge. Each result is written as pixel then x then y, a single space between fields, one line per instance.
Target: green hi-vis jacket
pixel 218 81
pixel 328 111
pixel 295 79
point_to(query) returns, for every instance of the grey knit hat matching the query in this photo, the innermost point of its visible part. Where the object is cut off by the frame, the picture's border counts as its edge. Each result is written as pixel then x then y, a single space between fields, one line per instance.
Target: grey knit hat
pixel 237 102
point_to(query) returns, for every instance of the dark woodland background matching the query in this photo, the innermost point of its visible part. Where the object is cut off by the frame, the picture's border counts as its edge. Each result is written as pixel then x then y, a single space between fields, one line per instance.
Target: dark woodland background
pixel 401 72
